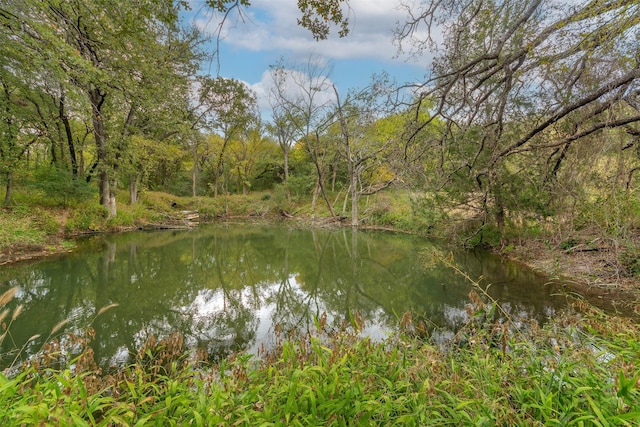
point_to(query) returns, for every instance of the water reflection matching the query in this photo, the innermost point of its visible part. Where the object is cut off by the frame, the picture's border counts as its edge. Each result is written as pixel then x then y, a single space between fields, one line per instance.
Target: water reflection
pixel 225 288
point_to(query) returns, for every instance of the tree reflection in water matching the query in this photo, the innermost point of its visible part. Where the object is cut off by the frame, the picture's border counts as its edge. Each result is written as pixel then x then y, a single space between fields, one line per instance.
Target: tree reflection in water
pixel 225 287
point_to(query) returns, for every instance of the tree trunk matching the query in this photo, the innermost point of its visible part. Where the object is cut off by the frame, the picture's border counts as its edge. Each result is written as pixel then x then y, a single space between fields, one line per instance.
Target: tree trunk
pixel 54 155
pixel 134 182
pixel 352 167
pixel 69 135
pixel 323 191
pixel 107 195
pixel 8 188
pixel 194 174
pixel 354 201
pixel 314 199
pixel 219 167
pixel 320 174
pixel 285 152
pixel 111 201
pixel 216 182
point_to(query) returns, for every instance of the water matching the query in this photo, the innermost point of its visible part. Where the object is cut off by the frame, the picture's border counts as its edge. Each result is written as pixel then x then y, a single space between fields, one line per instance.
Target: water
pixel 226 287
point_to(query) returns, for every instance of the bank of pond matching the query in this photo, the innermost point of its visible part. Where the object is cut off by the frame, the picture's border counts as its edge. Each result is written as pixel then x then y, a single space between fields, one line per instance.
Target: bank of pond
pixel 263 325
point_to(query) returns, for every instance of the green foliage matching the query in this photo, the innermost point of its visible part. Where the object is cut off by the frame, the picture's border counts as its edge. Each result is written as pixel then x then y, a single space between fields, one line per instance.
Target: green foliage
pixel 57 187
pixel 280 198
pixel 568 244
pixel 486 236
pixel 123 218
pixel 426 209
pixel 301 185
pixel 250 205
pixel 629 259
pixel 409 211
pixel 16 228
pixel 387 213
pixel 88 217
pixel 615 214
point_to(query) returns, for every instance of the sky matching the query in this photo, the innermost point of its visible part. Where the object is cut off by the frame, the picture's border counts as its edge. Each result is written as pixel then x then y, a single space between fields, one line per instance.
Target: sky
pixel 267 32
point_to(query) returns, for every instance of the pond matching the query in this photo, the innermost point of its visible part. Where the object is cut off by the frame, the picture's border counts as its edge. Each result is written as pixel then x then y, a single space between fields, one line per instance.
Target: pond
pixel 225 287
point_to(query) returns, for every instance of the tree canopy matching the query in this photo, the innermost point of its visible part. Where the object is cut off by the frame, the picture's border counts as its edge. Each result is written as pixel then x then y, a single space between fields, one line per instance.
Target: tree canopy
pixel 518 76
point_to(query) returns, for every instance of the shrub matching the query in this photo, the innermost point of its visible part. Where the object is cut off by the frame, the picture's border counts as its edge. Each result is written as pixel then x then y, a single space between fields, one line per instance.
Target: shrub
pixel 54 186
pixel 629 259
pixel 88 217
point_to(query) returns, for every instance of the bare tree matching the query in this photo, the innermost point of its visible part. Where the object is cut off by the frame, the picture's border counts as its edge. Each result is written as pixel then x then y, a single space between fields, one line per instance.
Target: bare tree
pixel 286 125
pixel 302 100
pixel 366 146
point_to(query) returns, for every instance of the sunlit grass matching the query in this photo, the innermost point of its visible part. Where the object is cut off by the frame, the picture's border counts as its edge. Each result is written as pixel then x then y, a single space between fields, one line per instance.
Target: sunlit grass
pixel 19 229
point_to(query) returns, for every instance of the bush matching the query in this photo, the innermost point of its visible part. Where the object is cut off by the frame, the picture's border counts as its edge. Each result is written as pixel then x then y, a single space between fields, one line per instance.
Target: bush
pixel 629 260
pixel 123 218
pixel 88 217
pixel 57 187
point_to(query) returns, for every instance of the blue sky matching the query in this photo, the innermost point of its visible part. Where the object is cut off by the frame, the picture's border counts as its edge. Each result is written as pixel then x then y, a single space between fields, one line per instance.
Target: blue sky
pixel 267 31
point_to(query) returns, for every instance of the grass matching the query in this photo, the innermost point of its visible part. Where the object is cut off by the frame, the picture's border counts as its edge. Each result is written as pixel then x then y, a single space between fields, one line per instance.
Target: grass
pixel 20 228
pixel 581 369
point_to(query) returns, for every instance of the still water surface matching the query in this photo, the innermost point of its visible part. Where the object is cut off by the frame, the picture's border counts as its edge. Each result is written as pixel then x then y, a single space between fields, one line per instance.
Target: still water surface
pixel 226 287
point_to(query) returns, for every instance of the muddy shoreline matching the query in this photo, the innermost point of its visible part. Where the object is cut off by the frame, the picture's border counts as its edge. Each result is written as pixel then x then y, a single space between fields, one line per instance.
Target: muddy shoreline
pixel 593 274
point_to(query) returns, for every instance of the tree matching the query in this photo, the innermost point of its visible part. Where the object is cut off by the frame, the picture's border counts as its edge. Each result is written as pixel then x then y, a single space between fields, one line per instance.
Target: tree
pixel 302 99
pixel 114 54
pixel 363 139
pixel 286 125
pixel 247 152
pixel 229 107
pixel 19 67
pixel 317 15
pixel 14 138
pixel 520 76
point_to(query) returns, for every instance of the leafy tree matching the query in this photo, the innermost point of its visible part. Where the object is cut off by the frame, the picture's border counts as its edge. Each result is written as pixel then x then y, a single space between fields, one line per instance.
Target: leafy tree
pixel 228 107
pixel 18 68
pixel 247 153
pixel 523 76
pixel 116 55
pixel 13 141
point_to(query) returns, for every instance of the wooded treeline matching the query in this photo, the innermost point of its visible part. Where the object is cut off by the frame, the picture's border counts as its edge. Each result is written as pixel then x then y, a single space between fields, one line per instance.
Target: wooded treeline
pixel 531 111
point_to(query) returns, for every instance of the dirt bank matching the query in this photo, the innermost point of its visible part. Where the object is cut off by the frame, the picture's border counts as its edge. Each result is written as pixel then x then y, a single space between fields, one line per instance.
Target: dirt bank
pixel 591 270
pixel 18 252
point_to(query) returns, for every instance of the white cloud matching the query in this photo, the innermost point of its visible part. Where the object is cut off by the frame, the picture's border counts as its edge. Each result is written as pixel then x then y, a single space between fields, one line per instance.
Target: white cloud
pixel 272 25
pixel 295 84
